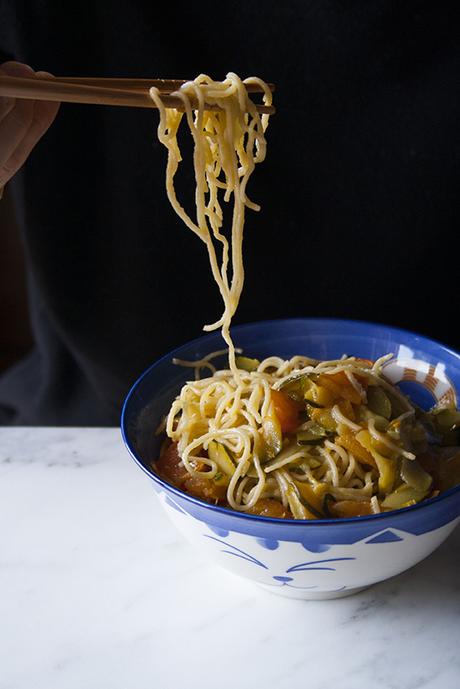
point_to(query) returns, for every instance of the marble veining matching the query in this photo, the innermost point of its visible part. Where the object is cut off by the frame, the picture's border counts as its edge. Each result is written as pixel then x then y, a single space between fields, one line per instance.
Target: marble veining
pixel 98 590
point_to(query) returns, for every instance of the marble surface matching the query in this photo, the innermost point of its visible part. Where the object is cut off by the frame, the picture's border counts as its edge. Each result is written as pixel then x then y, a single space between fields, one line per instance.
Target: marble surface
pixel 97 590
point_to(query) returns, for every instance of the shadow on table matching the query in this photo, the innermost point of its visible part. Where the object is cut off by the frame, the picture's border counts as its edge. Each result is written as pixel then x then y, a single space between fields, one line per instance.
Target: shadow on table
pixel 433 583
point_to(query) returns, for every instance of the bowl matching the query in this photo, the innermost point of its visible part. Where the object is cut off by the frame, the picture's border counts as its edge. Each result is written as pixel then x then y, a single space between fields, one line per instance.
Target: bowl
pixel 324 558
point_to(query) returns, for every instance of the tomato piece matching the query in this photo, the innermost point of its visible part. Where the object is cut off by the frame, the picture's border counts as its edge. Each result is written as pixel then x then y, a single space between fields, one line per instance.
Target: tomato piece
pixel 169 466
pixel 269 507
pixel 205 488
pixel 286 411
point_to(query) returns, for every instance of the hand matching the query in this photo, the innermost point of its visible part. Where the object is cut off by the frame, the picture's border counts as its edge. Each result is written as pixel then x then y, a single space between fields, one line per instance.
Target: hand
pixel 22 123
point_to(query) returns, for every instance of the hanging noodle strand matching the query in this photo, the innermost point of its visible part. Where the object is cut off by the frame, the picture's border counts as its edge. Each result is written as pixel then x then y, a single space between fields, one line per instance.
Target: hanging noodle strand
pixel 227 145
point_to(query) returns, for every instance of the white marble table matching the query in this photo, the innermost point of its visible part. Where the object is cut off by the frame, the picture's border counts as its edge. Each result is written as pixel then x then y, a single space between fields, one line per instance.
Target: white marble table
pixel 98 591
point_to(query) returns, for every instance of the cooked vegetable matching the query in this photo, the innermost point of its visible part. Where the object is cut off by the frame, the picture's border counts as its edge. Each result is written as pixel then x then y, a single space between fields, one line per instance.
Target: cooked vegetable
pixel 387 467
pixel 414 475
pixel 311 500
pixel 404 496
pixel 308 440
pixel 170 467
pixel 271 433
pixel 447 419
pixel 296 387
pixel 267 507
pixel 286 411
pixel 244 363
pixel 339 384
pixel 312 434
pixel 220 456
pixel 350 508
pixel 443 464
pixel 319 396
pixel 381 423
pixel 359 452
pixel 323 418
pixel 447 424
pixel 378 401
pixel 328 501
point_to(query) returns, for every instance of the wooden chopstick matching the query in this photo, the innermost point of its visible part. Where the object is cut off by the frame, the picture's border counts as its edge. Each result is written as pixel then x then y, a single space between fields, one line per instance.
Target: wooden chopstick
pixel 72 90
pixel 163 85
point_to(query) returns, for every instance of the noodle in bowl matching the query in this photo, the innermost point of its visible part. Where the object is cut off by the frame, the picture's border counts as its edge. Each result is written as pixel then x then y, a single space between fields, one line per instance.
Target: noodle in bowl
pixel 314 559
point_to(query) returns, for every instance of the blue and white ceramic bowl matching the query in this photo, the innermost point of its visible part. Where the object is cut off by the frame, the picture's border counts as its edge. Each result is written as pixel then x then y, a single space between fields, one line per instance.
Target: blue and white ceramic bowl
pixel 304 559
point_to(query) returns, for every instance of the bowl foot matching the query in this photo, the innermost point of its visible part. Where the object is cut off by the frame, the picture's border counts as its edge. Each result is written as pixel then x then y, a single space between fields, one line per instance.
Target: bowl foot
pixel 289 592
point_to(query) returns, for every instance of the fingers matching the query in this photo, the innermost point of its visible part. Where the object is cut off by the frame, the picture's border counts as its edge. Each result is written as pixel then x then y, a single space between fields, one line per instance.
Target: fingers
pixel 48 109
pixel 22 123
pixel 41 120
pixel 13 129
pixel 6 104
pixel 12 69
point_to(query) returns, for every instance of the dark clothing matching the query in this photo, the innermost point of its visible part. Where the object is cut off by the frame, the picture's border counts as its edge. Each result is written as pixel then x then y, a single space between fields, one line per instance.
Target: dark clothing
pixel 359 192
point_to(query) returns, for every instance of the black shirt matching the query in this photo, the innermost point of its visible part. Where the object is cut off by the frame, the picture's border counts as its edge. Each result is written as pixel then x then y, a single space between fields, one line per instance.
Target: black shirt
pixel 359 192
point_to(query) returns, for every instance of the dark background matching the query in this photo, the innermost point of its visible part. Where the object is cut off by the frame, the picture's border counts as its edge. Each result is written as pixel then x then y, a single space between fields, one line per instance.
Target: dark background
pixel 359 192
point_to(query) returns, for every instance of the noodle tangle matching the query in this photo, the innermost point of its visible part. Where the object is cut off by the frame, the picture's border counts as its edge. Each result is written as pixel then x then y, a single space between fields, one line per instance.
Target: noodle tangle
pixel 227 145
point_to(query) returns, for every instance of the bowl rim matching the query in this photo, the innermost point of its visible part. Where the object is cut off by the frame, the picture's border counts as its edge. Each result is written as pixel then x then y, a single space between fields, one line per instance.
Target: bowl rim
pixel 224 511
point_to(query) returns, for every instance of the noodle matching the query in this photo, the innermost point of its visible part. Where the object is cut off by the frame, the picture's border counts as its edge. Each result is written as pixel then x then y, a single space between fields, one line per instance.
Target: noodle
pixel 227 145
pixel 345 461
pixel 295 437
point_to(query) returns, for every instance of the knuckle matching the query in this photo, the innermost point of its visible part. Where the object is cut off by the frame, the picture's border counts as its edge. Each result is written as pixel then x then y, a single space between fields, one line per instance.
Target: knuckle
pixel 16 69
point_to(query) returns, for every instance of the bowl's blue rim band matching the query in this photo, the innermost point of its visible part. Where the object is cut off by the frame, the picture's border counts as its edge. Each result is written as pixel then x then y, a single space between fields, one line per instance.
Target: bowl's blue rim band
pixel 297 522
pixel 274 321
